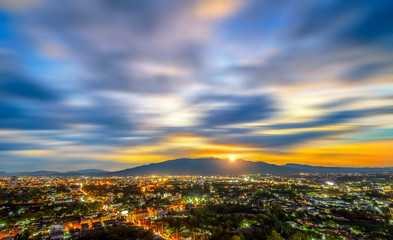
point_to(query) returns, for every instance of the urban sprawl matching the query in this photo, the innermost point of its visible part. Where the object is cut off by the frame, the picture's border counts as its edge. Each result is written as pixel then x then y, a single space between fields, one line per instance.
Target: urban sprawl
pixel 305 206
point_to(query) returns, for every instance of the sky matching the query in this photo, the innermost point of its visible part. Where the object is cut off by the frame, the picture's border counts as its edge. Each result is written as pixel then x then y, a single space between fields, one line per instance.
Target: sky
pixel 113 84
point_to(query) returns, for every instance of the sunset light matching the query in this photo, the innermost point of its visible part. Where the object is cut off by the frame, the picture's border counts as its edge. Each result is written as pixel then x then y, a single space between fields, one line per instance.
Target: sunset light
pixel 117 85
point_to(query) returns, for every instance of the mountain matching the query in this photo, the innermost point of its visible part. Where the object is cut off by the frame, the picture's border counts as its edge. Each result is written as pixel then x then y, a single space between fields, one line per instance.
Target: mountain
pixel 87 172
pixel 215 166
pixel 36 173
pixel 320 169
pixel 206 167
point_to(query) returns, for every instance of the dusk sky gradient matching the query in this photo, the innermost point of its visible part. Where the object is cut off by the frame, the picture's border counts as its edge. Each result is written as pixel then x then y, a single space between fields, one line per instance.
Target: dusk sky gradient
pixel 114 84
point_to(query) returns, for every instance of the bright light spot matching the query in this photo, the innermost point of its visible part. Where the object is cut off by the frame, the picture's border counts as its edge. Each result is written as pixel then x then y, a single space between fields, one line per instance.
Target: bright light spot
pixel 330 183
pixel 232 158
pixel 125 212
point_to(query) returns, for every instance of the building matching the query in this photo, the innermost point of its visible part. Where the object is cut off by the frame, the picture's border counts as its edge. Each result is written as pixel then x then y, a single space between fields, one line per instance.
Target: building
pixel 57 231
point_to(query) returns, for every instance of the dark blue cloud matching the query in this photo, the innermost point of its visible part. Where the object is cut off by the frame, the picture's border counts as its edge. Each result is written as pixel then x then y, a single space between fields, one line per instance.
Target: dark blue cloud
pixel 24 115
pixel 15 82
pixel 313 37
pixel 12 146
pixel 368 70
pixel 347 22
pixel 279 141
pixel 8 111
pixel 335 118
pixel 17 86
pixel 339 103
pixel 240 109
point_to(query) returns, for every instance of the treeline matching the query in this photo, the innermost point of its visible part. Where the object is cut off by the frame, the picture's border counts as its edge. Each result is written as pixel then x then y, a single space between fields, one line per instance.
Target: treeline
pixel 233 221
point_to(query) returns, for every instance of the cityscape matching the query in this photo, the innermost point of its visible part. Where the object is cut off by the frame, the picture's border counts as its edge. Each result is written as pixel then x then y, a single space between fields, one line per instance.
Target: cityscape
pixel 196 120
pixel 304 206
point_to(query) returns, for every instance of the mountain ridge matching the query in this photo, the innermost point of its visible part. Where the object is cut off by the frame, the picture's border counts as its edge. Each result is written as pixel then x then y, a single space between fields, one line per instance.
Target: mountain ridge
pixel 56 173
pixel 206 167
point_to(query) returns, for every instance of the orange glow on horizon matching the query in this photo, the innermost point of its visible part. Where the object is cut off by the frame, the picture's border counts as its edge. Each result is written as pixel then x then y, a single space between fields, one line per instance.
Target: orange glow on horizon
pixel 356 154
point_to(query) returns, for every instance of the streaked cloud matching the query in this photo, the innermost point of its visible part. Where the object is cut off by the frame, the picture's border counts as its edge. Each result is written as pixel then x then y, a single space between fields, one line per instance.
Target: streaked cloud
pixel 113 84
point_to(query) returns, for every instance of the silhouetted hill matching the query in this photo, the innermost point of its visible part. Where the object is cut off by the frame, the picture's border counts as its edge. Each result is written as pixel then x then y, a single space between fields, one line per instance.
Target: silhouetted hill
pixel 87 172
pixel 206 167
pixel 38 173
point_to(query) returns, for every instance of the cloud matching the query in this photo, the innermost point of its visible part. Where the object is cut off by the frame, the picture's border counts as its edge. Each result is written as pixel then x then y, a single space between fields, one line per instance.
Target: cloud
pixel 216 8
pixel 17 86
pixel 18 4
pixel 339 102
pixel 329 47
pixel 110 39
pixel 353 22
pixel 15 83
pixel 336 118
pixel 237 109
pixel 94 77
pixel 272 143
pixel 368 70
pixel 10 146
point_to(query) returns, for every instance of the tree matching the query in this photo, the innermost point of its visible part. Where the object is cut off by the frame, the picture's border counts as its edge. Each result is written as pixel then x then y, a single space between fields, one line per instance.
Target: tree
pixel 275 236
pixel 226 237
pixel 235 237
pixel 22 236
pixel 330 223
pixel 276 207
pixel 298 236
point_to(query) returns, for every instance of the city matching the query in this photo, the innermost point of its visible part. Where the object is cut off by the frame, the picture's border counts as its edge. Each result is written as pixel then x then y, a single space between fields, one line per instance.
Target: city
pixel 304 206
pixel 196 120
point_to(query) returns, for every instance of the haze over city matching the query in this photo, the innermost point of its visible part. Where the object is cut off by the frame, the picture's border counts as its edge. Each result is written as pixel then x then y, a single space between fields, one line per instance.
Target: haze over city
pixel 117 84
